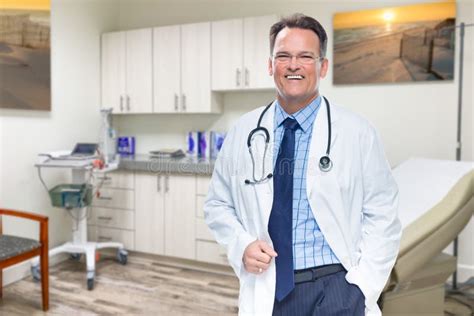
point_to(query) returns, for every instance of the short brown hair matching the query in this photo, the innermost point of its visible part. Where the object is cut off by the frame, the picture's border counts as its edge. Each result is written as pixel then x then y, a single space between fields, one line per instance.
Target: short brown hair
pixel 300 21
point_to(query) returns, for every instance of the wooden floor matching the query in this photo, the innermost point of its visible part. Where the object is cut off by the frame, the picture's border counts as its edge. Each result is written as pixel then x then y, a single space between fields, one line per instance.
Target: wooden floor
pixel 144 286
pixel 147 285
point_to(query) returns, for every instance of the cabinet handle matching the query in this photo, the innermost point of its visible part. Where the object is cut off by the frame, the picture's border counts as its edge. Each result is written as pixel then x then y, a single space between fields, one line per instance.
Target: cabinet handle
pixel 106 198
pixel 121 103
pixel 105 238
pixel 128 103
pixel 237 77
pixel 105 178
pixel 158 185
pixel 176 98
pixel 167 184
pixel 246 76
pixel 105 218
pixel 183 106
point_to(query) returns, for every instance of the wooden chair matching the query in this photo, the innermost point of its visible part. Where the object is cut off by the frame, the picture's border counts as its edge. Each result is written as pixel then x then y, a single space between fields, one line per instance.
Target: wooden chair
pixel 17 249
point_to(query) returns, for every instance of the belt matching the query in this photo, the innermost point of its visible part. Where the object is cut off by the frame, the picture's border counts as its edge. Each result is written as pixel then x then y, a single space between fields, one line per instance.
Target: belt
pixel 315 273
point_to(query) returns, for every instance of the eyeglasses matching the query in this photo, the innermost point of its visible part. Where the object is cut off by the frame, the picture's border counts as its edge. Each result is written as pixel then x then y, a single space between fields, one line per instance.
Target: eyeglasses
pixel 302 59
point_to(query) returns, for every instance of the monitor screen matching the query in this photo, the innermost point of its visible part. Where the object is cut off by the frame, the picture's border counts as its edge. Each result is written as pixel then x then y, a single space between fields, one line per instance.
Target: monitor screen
pixel 84 149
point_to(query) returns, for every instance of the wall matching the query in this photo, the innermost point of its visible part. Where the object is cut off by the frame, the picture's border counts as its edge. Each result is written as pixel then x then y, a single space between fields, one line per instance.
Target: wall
pixel 426 111
pixel 414 119
pixel 76 26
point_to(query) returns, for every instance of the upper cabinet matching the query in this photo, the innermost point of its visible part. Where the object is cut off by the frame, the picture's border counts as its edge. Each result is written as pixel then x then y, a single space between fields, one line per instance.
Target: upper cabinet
pixel 175 69
pixel 240 52
pixel 127 72
pixel 182 69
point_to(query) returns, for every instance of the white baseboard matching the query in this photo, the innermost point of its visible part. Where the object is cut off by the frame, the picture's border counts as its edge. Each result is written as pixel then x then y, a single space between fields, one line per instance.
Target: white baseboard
pixel 19 271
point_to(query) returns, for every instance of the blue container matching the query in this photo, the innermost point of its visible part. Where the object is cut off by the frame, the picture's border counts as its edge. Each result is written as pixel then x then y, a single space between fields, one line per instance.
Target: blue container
pixel 126 145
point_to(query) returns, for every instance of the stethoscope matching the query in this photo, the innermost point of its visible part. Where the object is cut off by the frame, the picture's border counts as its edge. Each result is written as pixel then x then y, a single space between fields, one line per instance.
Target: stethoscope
pixel 325 163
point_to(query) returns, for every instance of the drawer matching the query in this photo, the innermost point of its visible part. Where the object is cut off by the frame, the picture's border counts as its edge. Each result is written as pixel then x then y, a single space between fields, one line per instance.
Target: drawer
pixel 114 218
pixel 200 205
pixel 115 198
pixel 120 180
pixel 202 231
pixel 202 185
pixel 211 252
pixel 102 234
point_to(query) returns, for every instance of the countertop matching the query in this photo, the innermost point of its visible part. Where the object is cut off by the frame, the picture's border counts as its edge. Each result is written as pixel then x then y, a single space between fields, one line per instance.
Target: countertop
pixel 185 165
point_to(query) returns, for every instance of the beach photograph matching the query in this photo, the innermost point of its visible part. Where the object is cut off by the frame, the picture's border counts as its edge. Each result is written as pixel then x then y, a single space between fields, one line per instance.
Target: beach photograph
pixel 397 44
pixel 25 55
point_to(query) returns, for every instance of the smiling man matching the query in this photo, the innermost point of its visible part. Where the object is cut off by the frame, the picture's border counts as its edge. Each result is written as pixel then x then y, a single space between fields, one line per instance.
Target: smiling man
pixel 317 233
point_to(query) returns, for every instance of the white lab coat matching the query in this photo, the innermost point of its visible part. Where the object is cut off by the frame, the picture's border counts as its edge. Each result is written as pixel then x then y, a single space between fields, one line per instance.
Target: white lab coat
pixel 355 204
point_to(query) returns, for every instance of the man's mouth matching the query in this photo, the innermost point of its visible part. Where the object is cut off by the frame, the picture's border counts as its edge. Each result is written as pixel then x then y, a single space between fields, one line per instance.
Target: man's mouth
pixel 294 77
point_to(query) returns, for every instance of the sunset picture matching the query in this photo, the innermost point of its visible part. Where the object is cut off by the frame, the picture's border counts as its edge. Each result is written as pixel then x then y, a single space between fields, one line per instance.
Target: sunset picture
pixel 25 75
pixel 399 44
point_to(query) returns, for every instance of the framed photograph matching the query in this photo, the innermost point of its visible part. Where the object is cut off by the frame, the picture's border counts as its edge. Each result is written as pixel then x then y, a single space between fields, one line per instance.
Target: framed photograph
pixel 25 55
pixel 399 44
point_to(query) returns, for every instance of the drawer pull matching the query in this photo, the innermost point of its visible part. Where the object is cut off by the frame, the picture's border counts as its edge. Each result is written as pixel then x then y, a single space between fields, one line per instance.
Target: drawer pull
pixel 105 178
pixel 105 218
pixel 106 198
pixel 105 238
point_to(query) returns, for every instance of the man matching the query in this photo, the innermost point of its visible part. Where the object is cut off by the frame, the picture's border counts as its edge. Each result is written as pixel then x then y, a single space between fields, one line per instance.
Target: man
pixel 311 237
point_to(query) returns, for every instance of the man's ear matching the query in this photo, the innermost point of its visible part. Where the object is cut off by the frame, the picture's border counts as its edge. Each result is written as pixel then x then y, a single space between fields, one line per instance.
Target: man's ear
pixel 270 66
pixel 324 68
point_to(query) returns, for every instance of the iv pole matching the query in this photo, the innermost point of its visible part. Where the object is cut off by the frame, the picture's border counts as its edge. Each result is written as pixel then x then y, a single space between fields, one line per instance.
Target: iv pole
pixel 462 27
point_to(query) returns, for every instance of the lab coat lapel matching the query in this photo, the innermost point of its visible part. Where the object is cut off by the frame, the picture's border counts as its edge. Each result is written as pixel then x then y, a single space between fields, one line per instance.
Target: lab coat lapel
pixel 318 144
pixel 265 190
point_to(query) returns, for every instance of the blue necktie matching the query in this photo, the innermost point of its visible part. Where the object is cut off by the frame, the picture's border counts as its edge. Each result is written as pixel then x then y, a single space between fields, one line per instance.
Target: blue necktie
pixel 280 224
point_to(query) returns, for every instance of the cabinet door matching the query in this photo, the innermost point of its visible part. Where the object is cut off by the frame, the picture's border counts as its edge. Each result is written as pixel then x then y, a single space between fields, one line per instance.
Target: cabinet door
pixel 166 69
pixel 149 213
pixel 226 55
pixel 113 71
pixel 196 67
pixel 257 52
pixel 139 71
pixel 180 204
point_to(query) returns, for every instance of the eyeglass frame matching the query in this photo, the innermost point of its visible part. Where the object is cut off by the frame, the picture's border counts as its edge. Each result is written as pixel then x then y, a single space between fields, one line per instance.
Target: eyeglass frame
pixel 298 58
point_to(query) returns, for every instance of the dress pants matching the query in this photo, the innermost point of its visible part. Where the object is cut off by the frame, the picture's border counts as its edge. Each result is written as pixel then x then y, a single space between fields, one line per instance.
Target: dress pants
pixel 330 295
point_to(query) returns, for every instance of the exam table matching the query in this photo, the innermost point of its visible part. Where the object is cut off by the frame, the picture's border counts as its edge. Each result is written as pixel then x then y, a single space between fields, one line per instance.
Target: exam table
pixel 436 203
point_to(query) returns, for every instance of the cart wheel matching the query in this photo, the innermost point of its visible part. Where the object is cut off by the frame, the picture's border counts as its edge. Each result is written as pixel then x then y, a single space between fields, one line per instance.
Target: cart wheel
pixel 75 256
pixel 35 273
pixel 90 284
pixel 122 256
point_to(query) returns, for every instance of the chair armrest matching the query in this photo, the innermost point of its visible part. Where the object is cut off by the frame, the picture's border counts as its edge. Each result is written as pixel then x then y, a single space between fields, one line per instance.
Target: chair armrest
pixel 43 220
pixel 27 215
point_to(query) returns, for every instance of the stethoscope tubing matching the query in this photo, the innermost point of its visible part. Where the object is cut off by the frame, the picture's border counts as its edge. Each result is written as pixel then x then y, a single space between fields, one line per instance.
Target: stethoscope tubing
pixel 325 163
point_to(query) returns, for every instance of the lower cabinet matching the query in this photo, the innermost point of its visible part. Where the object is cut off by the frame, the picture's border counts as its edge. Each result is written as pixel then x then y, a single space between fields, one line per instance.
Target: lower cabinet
pixel 112 217
pixel 164 214
pixel 155 213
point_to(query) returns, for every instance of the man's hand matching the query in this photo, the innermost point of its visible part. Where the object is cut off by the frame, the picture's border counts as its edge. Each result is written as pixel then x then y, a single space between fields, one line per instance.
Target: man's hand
pixel 257 257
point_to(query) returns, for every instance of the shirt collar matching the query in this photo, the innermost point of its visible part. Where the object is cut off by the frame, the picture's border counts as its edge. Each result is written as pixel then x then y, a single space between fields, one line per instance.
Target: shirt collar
pixel 305 117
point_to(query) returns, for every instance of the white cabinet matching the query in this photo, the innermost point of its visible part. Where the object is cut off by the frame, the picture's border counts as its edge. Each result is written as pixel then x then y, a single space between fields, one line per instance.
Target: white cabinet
pixel 166 69
pixel 207 249
pixel 240 52
pixel 127 71
pixel 149 214
pixel 180 205
pixel 165 217
pixel 112 212
pixel 181 70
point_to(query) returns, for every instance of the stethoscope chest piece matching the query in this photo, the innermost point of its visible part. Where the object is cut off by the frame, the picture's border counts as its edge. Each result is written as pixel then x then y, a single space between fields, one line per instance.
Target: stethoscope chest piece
pixel 325 164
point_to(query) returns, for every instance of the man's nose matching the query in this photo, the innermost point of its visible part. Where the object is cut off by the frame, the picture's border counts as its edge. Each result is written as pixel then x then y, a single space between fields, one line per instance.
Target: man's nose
pixel 293 64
